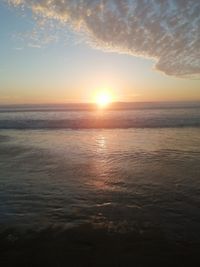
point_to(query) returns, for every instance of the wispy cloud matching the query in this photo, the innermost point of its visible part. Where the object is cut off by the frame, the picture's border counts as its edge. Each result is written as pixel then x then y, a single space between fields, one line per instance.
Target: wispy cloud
pixel 166 30
pixel 18 48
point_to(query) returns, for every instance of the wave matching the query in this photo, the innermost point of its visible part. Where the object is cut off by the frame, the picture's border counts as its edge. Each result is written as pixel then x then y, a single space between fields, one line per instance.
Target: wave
pixel 100 123
pixel 138 116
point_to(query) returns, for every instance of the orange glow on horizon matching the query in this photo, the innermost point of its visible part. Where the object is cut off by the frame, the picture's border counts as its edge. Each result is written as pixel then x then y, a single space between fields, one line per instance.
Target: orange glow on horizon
pixel 103 98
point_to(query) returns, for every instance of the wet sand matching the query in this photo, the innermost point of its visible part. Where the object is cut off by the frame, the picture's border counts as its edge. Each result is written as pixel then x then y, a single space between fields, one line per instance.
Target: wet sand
pixel 87 245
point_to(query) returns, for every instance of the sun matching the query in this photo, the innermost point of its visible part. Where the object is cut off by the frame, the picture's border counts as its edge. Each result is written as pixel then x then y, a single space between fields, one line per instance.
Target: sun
pixel 103 99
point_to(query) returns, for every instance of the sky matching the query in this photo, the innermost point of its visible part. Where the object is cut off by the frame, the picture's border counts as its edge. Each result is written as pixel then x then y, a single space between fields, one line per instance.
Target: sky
pixel 66 51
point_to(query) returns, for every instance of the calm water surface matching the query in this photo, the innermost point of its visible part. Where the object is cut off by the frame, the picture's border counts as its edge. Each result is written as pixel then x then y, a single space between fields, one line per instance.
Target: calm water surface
pixel 125 169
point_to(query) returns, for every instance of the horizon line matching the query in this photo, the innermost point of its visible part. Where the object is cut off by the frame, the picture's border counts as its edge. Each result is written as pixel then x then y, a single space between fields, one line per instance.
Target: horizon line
pixel 94 103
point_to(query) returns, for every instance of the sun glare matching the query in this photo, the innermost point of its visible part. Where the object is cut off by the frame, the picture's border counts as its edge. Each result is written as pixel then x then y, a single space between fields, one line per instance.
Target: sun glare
pixel 103 99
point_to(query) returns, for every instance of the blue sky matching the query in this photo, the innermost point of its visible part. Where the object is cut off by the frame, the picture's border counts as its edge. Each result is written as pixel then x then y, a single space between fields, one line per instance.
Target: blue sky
pixel 70 70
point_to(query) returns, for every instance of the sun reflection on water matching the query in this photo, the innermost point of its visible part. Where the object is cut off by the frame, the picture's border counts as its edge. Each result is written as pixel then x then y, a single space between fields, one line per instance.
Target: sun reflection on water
pixel 102 166
pixel 101 143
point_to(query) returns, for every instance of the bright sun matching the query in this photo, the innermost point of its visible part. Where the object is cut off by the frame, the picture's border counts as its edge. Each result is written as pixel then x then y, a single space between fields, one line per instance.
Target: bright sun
pixel 103 99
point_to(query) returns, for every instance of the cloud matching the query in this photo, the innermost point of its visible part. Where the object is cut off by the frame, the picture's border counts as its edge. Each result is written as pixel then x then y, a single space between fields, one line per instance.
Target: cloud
pixel 166 30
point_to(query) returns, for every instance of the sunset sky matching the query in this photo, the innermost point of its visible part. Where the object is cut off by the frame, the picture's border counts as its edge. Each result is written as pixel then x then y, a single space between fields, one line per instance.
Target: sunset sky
pixel 66 51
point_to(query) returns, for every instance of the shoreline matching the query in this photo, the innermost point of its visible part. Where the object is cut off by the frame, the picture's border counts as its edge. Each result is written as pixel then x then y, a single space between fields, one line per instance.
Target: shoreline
pixel 87 245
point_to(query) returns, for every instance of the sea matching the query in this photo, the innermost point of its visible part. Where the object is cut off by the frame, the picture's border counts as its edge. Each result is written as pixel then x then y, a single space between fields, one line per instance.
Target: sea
pixel 128 167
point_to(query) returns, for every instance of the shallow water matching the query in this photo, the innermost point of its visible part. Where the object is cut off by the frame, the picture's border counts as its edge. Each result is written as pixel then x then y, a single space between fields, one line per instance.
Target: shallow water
pixel 124 178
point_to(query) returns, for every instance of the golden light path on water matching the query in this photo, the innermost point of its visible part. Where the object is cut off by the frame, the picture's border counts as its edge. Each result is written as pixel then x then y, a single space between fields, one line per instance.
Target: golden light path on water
pixel 102 164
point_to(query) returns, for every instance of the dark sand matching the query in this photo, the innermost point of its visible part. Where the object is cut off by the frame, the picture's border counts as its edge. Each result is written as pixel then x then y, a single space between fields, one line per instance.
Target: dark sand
pixel 89 246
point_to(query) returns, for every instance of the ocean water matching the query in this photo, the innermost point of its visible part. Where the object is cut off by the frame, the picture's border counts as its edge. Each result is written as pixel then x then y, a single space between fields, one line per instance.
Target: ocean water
pixel 133 167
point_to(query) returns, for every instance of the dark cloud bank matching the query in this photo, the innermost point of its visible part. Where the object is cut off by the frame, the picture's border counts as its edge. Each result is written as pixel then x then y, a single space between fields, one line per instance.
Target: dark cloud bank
pixel 166 30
